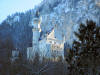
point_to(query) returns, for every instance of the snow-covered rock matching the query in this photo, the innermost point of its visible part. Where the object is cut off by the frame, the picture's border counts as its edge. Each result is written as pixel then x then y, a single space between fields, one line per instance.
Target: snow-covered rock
pixel 16 18
pixel 67 15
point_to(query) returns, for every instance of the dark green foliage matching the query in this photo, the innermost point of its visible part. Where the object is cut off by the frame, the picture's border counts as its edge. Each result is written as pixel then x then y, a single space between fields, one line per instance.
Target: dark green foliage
pixel 36 62
pixel 85 54
pixel 5 36
pixel 15 31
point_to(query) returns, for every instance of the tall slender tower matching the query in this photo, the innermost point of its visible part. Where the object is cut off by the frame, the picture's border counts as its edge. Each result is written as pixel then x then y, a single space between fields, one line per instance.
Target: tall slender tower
pixel 36 32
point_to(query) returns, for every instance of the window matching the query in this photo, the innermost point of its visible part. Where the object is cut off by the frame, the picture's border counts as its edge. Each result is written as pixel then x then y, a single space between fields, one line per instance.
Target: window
pixel 54 42
pixel 50 41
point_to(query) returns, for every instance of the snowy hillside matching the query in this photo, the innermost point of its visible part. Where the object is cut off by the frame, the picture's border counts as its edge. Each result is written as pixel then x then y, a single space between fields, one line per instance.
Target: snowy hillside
pixel 63 15
pixel 67 15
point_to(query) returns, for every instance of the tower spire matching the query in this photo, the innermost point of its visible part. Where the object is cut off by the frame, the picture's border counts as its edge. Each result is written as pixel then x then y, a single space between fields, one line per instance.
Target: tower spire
pixel 36 33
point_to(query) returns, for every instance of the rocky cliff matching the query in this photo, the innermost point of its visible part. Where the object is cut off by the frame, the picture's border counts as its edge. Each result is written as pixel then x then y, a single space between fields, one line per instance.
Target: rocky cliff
pixel 63 15
pixel 67 15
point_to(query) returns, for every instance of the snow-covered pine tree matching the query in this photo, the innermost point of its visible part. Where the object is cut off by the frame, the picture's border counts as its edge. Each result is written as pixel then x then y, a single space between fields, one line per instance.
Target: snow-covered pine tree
pixel 85 55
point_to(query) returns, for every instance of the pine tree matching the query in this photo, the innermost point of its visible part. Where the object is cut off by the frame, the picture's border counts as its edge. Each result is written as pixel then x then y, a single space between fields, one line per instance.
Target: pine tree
pixel 86 51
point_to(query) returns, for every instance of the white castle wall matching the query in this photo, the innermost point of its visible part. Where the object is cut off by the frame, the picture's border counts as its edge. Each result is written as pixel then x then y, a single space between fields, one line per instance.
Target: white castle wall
pixel 48 47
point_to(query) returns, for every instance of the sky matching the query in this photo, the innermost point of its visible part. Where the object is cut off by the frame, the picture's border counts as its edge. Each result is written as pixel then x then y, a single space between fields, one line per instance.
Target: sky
pixel 8 7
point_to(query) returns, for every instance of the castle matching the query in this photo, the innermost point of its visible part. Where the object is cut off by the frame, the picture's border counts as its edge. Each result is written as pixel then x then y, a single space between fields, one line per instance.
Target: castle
pixel 48 46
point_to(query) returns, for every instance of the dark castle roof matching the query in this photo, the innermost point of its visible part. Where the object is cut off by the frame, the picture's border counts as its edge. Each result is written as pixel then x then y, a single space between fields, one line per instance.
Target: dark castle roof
pixel 37 15
pixel 43 35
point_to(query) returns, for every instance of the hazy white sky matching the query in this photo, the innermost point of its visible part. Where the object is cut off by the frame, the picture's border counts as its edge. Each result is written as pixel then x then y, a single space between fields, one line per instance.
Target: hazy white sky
pixel 8 7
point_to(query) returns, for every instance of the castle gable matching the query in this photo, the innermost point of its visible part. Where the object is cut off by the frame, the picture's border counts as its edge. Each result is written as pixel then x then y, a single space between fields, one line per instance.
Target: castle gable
pixel 51 35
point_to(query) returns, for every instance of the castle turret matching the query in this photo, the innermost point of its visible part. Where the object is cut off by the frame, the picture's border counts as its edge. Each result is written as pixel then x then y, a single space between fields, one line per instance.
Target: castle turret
pixel 36 32
pixel 36 21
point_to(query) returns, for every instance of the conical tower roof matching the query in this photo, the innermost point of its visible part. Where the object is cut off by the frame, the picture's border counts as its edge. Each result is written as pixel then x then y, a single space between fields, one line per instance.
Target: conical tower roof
pixel 51 35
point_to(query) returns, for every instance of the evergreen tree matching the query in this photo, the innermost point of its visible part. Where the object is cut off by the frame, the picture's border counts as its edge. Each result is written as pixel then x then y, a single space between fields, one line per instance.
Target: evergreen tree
pixel 85 52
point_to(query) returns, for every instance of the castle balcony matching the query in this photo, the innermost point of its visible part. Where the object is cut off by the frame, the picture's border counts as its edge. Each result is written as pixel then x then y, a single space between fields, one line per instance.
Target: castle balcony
pixel 36 20
pixel 35 29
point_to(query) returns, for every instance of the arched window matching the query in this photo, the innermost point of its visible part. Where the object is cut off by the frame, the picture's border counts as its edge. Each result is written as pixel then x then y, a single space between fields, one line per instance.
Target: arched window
pixel 50 41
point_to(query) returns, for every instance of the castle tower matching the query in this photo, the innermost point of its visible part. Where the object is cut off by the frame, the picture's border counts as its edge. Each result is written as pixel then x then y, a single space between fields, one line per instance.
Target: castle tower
pixel 36 32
